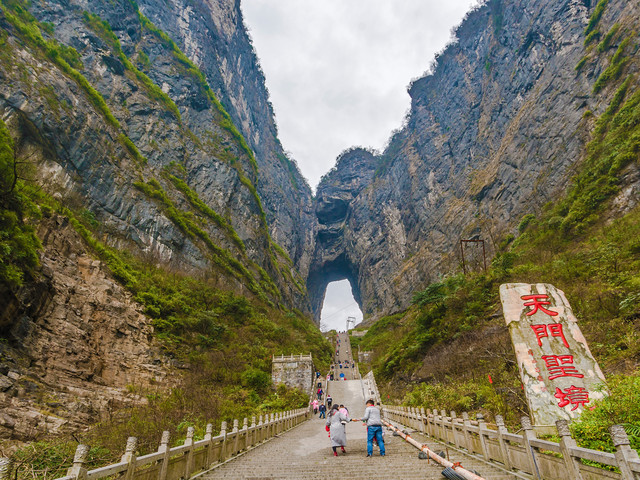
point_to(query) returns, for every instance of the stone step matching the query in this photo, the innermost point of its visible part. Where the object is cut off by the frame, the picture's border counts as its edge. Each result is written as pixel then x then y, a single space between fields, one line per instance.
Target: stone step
pixel 304 452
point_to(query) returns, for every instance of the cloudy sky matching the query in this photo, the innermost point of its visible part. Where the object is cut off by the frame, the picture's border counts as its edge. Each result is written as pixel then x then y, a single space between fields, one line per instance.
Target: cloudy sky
pixel 337 72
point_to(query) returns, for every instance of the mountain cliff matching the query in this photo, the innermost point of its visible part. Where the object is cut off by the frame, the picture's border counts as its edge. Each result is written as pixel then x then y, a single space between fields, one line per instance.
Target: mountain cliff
pixel 154 220
pixel 495 131
pixel 141 168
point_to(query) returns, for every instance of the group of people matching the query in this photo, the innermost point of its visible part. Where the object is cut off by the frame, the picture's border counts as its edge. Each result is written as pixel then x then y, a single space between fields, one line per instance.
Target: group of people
pixel 319 406
pixel 338 419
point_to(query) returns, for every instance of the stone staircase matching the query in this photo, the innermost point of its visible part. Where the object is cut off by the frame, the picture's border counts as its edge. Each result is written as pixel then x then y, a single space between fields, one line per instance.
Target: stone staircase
pixel 304 453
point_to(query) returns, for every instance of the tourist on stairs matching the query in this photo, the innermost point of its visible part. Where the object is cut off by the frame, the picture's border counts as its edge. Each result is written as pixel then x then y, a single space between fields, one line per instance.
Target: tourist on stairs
pixel 374 427
pixel 336 425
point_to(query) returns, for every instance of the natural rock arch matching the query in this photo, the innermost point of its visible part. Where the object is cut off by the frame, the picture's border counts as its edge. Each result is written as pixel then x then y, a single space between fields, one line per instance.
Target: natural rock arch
pixel 331 259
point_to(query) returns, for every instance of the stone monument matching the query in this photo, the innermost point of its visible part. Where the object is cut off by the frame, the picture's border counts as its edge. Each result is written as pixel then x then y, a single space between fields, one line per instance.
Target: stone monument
pixel 560 376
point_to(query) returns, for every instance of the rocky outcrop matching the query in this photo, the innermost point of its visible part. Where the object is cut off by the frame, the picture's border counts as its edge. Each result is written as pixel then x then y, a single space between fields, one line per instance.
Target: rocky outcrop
pixel 495 132
pixel 159 119
pixel 334 258
pixel 81 349
pixel 212 34
pixel 166 146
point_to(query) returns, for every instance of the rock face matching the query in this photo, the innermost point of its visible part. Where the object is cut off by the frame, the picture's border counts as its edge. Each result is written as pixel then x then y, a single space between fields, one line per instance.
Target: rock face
pixel 334 257
pixel 134 117
pixel 152 121
pixel 495 132
pixel 160 118
pixel 212 34
pixel 80 348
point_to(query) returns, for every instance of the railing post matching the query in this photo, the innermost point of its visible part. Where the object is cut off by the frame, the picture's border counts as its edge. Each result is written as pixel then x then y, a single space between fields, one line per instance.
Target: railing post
pixel 452 418
pixel 454 424
pixel 223 444
pixel 272 425
pixel 504 449
pixel 482 427
pixel 130 457
pixel 253 430
pixel 530 434
pixel 423 421
pixel 208 436
pixel 236 437
pixel 624 453
pixel 428 424
pixel 566 444
pixel 188 468
pixel 443 426
pixel 77 470
pixel 260 429
pixel 466 423
pixel 164 448
pixel 245 434
pixel 6 469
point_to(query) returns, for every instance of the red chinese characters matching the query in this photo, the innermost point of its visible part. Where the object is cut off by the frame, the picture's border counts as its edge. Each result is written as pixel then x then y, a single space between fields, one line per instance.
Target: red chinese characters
pixel 553 329
pixel 576 396
pixel 537 303
pixel 557 365
pixel 561 366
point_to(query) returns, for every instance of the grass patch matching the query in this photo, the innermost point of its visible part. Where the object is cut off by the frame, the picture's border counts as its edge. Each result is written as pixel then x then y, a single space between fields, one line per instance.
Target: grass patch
pixel 606 41
pixel 132 149
pixel 595 17
pixel 614 70
pixel 203 208
pixel 220 256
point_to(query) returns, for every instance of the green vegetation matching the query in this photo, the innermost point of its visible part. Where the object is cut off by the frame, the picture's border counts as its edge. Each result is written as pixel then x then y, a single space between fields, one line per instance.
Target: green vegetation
pixel 595 17
pixel 593 36
pixel 606 41
pixel 51 459
pixel 203 208
pixel 133 150
pixel 581 63
pixel 18 243
pixel 103 29
pixel 622 407
pixel 143 58
pixel 614 70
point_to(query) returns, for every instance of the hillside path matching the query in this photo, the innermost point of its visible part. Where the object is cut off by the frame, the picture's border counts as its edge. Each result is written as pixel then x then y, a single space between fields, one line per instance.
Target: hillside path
pixel 304 452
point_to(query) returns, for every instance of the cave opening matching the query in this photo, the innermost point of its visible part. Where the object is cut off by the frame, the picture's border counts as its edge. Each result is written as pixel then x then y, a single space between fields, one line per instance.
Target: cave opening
pixel 339 305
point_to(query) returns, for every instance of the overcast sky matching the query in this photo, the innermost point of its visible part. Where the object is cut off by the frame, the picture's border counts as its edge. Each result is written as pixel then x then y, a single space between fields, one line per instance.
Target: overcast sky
pixel 337 72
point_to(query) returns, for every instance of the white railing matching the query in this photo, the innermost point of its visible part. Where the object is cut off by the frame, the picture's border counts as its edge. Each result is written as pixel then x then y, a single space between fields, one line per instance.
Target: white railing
pixel 183 461
pixel 523 452
pixel 291 358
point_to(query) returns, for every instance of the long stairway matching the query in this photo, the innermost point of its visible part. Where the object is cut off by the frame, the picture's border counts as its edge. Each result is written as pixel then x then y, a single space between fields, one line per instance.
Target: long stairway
pixel 305 453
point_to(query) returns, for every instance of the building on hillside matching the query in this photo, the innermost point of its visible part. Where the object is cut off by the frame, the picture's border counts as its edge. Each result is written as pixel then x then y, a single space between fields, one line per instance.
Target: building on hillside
pixel 295 371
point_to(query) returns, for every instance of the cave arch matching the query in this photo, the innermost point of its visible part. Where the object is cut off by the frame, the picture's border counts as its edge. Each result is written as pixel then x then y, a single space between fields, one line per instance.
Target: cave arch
pixel 330 271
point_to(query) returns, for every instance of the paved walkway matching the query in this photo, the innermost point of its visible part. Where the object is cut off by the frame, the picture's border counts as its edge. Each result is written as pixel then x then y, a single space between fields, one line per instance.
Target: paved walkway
pixel 304 452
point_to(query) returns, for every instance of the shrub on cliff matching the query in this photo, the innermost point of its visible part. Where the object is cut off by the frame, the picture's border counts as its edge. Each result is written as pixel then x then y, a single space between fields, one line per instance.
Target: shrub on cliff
pixel 18 243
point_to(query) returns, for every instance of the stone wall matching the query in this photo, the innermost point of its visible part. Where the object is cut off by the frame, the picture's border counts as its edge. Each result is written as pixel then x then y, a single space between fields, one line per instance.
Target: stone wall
pixel 294 371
